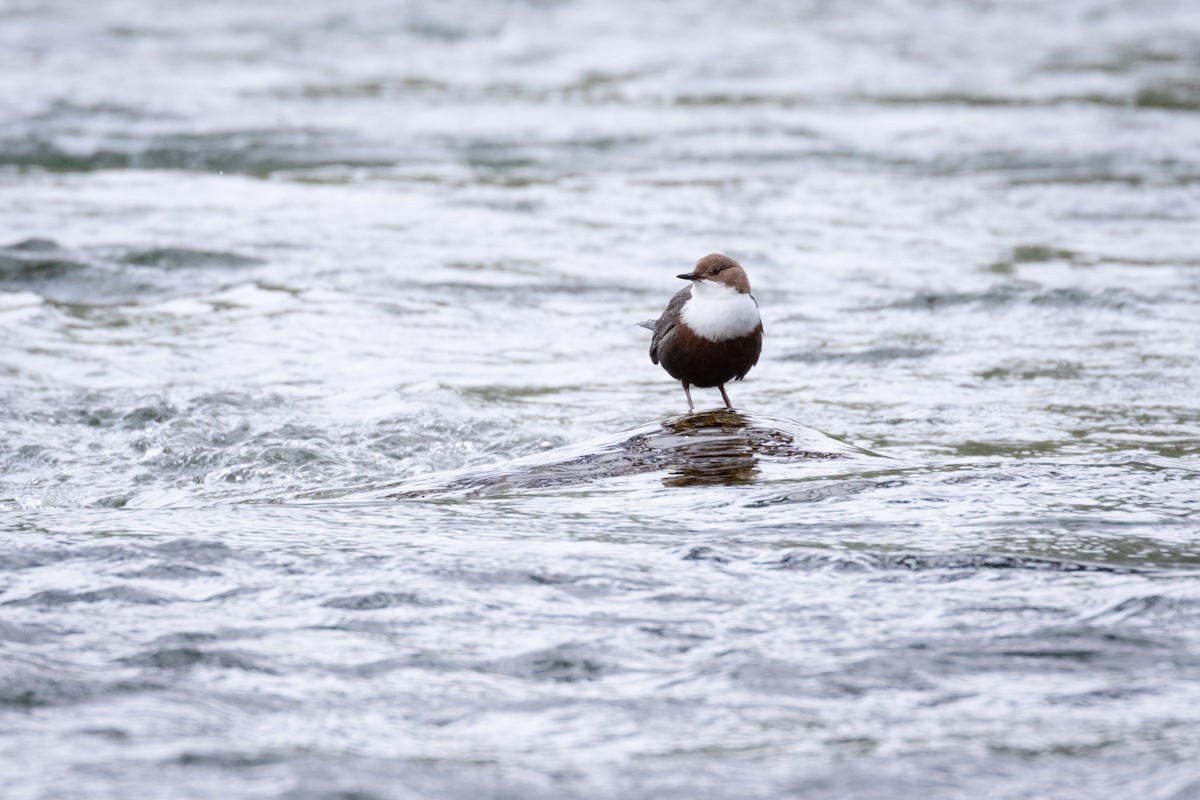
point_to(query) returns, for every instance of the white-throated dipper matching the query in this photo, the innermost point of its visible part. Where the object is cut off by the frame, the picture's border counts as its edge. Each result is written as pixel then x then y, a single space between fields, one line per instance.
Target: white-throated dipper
pixel 711 332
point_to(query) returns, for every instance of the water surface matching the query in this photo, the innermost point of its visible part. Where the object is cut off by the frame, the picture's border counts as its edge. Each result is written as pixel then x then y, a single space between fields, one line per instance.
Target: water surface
pixel 332 463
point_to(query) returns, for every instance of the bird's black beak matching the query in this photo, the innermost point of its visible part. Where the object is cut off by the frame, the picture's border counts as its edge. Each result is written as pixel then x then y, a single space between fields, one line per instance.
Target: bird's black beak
pixel 687 276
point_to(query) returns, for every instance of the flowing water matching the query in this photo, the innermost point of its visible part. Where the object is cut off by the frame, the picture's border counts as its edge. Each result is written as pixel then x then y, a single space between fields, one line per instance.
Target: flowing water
pixel 332 463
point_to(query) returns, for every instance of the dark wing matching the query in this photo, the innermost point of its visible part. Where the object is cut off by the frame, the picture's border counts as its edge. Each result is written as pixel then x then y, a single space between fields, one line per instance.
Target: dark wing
pixel 749 349
pixel 753 346
pixel 664 326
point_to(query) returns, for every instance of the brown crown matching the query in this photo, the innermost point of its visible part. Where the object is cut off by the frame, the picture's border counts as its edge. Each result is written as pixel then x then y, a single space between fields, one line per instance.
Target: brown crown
pixel 722 269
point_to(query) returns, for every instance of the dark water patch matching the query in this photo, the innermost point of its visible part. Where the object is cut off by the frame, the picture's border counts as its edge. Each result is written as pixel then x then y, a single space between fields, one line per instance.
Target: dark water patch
pixel 368 625
pixel 366 89
pixel 504 577
pixel 22 633
pixel 685 598
pixel 228 760
pixel 555 665
pixel 1174 261
pixel 258 152
pixel 505 204
pixel 592 88
pixel 429 663
pixel 90 409
pixel 74 280
pixel 183 658
pixel 76 112
pixel 1116 299
pixel 981 100
pixel 598 586
pixel 566 663
pixel 290 456
pixel 25 266
pixel 425 25
pixel 1017 165
pixel 867 561
pixel 333 794
pixel 675 639
pixel 184 258
pixel 292 444
pixel 1032 254
pixel 198 551
pixel 1106 177
pixel 192 639
pixel 34 245
pixel 31 683
pixel 860 678
pixel 1005 296
pixel 1040 254
pixel 33 452
pixel 154 413
pixel 30 270
pixel 243 591
pixel 1025 371
pixel 51 598
pixel 1101 698
pixel 506 394
pixel 111 734
pixel 997 296
pixel 169 572
pixel 13 560
pixel 39 685
pixel 1176 96
pixel 377 600
pixel 705 553
pixel 186 638
pixel 97 417
pixel 1075 649
pixel 739 99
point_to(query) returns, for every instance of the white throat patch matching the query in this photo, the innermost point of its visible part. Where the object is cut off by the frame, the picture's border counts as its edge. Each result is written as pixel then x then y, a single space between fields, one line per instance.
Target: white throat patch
pixel 717 312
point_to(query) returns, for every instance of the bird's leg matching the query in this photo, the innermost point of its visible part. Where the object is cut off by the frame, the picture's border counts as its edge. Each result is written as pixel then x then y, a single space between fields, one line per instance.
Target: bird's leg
pixel 688 391
pixel 724 396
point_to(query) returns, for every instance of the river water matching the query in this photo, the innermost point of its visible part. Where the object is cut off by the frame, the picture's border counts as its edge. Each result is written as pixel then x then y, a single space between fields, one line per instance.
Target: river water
pixel 332 463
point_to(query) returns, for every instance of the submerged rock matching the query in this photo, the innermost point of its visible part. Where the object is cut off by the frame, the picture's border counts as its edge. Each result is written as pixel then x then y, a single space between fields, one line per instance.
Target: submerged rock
pixel 716 447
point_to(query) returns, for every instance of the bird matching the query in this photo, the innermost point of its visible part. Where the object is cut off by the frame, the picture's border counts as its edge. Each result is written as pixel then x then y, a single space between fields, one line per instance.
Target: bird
pixel 711 332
